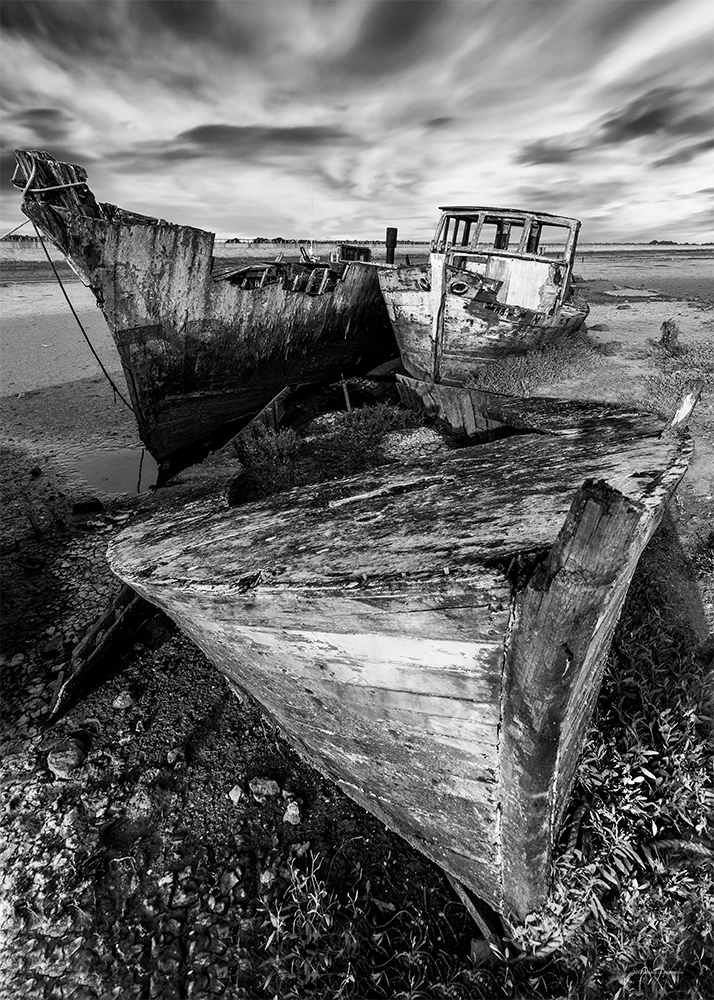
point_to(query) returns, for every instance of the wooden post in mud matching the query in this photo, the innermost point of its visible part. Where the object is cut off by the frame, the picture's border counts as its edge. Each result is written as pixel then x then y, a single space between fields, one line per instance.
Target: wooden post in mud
pixel 391 244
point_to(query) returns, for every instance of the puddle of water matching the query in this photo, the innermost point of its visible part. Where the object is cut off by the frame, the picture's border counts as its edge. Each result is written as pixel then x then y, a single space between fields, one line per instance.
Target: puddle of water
pixel 119 470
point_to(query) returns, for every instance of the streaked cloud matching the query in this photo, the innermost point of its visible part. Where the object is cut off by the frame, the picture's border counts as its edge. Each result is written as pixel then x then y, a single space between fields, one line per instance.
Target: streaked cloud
pixel 262 116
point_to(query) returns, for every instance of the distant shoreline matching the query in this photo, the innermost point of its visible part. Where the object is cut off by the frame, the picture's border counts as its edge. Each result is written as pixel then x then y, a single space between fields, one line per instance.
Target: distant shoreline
pixel 31 248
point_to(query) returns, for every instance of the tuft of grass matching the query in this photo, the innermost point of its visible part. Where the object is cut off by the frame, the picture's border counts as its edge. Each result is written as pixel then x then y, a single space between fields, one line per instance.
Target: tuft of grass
pixel 331 446
pixel 321 942
pixel 524 374
pixel 669 338
pixel 678 373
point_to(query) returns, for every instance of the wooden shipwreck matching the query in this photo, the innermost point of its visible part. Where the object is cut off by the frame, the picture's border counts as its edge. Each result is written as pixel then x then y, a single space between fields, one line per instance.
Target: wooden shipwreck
pixel 498 281
pixel 432 636
pixel 200 349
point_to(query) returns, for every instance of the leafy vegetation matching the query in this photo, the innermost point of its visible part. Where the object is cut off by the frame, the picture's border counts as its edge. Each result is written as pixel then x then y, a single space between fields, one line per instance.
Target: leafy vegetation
pixel 669 339
pixel 681 367
pixel 331 446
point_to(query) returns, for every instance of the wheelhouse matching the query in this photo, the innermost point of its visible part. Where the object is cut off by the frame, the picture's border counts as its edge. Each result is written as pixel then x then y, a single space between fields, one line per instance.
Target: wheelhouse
pixel 525 257
pixel 507 232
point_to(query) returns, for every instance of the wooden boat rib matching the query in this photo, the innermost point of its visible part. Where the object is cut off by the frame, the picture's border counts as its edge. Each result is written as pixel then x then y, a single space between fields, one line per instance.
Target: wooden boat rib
pixel 201 351
pixel 498 281
pixel 430 636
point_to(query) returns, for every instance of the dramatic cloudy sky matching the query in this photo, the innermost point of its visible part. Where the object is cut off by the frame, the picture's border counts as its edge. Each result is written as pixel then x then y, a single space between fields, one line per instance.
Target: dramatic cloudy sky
pixel 247 117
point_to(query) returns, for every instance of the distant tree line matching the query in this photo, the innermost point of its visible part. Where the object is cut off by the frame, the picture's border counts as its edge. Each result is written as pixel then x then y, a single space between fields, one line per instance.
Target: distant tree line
pixel 280 239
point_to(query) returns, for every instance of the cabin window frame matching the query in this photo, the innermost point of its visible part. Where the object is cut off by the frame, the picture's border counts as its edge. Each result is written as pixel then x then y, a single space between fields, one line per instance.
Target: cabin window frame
pixel 459 234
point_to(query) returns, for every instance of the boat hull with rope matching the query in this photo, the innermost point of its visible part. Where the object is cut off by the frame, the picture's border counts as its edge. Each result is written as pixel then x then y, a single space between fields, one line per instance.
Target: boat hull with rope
pixel 201 350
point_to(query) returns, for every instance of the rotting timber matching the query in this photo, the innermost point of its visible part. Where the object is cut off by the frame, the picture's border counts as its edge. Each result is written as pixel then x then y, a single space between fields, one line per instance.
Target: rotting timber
pixel 202 350
pixel 498 282
pixel 477 414
pixel 432 636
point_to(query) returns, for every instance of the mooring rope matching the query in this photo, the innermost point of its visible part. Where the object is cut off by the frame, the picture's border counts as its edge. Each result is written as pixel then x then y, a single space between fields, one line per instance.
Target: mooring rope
pixel 14 230
pixel 112 383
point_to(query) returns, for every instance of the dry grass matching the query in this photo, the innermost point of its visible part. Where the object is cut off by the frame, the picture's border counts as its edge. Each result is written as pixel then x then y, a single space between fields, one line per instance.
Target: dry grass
pixel 525 374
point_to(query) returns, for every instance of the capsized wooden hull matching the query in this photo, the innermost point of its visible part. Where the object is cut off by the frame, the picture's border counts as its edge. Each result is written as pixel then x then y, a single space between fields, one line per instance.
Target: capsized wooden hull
pixel 201 351
pixel 492 287
pixel 430 636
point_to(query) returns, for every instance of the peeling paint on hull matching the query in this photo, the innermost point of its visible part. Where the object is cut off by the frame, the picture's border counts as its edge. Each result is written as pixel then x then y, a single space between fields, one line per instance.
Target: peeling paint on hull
pixel 200 353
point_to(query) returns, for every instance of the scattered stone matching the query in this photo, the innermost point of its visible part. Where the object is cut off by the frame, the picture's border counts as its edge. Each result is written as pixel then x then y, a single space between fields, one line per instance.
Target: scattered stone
pixel 267 878
pixel 53 648
pixel 89 506
pixel 35 472
pixel 174 754
pixel 123 700
pixel 263 788
pixel 625 305
pixel 182 896
pixel 602 327
pixel 228 880
pixel 414 444
pixel 17 660
pixel 65 759
pixel 292 814
pixel 236 794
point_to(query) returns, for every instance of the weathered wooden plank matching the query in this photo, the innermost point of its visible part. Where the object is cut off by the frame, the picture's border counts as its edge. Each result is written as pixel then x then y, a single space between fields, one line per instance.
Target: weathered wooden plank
pixel 476 413
pixel 482 504
pixel 399 662
pixel 562 625
pixel 119 622
pixel 269 418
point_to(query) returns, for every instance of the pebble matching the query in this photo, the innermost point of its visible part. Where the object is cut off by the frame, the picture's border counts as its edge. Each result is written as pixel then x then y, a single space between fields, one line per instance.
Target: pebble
pixel 263 788
pixel 123 700
pixel 228 880
pixel 236 794
pixel 53 648
pixel 292 814
pixel 17 660
pixel 65 759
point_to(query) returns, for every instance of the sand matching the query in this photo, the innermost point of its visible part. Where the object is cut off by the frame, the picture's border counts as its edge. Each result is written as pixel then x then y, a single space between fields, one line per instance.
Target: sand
pixel 41 344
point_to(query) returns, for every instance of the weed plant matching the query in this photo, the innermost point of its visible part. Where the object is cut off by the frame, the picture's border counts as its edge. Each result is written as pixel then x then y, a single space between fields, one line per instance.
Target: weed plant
pixel 669 338
pixel 331 446
pixel 682 367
